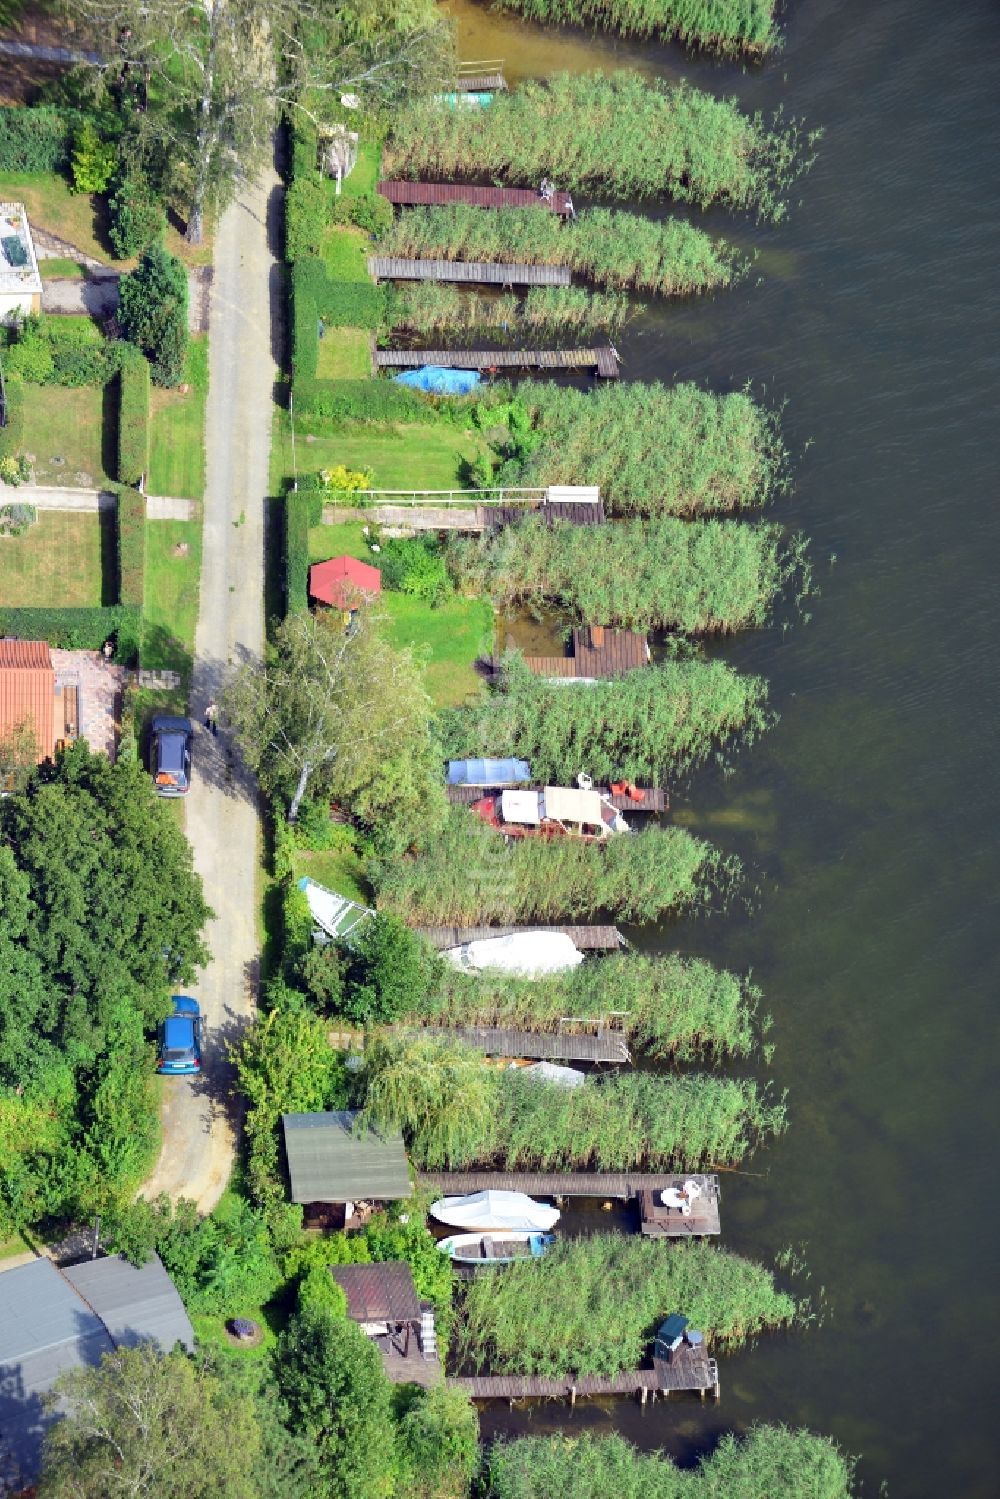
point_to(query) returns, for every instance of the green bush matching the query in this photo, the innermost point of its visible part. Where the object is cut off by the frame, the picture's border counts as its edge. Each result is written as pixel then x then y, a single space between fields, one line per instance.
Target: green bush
pixel 33 140
pixel 305 150
pixel 305 318
pixel 153 313
pixel 131 516
pixel 85 364
pixel 306 218
pixel 296 553
pixel 391 971
pixel 414 565
pixel 12 435
pixel 369 211
pixel 31 357
pixel 359 400
pixel 317 1288
pixel 93 160
pixel 78 629
pixel 133 419
pixel 137 216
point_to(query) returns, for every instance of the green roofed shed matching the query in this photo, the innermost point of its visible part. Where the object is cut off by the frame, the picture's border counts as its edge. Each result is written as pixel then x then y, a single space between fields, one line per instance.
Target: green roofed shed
pixel 328 1162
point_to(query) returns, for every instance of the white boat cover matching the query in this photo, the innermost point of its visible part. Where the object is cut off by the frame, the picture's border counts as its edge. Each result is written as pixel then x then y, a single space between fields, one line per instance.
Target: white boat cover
pixel 551 1072
pixel 494 1209
pixel 570 804
pixel 334 914
pixel 525 953
pixel 522 807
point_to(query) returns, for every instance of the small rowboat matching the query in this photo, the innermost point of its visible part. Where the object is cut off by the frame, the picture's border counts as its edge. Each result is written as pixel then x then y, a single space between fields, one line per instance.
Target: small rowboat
pixel 496 1248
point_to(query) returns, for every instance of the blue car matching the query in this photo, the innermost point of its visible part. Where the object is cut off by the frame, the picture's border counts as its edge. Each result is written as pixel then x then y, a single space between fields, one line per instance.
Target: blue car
pixel 172 738
pixel 180 1039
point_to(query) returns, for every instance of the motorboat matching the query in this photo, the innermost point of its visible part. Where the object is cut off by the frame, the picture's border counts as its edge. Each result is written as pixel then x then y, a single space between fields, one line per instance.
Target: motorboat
pixel 552 812
pixel 527 954
pixel 484 1212
pixel 495 1249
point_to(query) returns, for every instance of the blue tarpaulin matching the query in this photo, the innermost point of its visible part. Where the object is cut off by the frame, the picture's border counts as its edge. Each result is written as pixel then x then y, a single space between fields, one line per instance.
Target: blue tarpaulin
pixel 440 382
pixel 488 772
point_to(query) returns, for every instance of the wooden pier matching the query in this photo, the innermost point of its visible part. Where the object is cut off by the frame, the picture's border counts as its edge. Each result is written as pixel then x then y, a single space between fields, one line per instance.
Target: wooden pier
pixel 604 1045
pixel 690 1370
pixel 407 519
pixel 603 1184
pixel 703 1221
pixel 596 653
pixel 487 273
pixel 586 938
pixel 654 800
pixel 481 77
pixel 437 194
pixel 604 360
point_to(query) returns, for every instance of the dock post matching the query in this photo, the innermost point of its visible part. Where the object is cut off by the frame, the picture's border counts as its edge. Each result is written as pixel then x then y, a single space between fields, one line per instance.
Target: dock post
pixel 572 1395
pixel 642 1394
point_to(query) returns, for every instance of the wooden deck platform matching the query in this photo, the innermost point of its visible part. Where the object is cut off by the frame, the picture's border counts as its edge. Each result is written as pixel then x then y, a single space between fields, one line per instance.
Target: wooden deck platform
pixel 654 799
pixel 480 83
pixel 435 194
pixel 587 938
pixel 487 273
pixel 548 1046
pixel 621 651
pixel 692 1369
pixel 703 1221
pixel 604 359
pixel 602 1184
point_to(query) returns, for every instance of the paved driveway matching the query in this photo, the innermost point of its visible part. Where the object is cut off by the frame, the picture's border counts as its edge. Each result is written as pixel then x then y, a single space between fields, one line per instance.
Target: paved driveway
pixel 221 813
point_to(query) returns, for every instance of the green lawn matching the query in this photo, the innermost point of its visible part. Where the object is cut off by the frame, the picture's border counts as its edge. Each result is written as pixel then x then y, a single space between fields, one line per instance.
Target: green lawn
pixel 70 270
pixel 411 455
pixel 448 639
pixel 345 540
pixel 177 436
pixel 65 558
pixel 366 171
pixel 340 869
pixel 173 566
pixel 345 251
pixel 64 435
pixel 345 354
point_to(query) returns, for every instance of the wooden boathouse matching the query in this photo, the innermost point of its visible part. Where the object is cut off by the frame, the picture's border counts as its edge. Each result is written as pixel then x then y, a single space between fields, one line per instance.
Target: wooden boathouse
pixel 605 360
pixel 488 273
pixel 586 938
pixel 438 194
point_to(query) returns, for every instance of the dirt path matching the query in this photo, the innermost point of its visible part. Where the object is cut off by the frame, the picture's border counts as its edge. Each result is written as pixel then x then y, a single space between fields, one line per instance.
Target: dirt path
pixel 221 815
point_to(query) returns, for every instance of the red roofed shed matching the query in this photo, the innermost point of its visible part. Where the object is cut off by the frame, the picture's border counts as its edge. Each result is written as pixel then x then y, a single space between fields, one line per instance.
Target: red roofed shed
pixel 343 582
pixel 27 691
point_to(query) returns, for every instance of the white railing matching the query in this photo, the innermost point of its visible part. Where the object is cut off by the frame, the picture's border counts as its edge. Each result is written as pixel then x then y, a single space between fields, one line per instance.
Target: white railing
pixel 467 497
pixel 470 69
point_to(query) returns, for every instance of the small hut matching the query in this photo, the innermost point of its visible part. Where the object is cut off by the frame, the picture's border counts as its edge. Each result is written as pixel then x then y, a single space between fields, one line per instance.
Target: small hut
pixel 330 1166
pixel 382 1300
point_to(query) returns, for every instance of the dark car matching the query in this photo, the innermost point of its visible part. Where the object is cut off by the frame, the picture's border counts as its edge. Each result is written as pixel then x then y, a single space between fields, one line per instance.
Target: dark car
pixel 180 1038
pixel 172 739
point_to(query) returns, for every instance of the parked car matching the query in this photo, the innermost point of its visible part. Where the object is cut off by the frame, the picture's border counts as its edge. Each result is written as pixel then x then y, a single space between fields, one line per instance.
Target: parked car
pixel 172 739
pixel 180 1038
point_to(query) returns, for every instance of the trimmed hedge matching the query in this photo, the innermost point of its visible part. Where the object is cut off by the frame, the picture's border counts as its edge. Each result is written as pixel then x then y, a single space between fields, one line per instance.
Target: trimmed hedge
pixel 305 317
pixel 34 140
pixel 132 548
pixel 133 419
pixel 78 629
pixel 307 215
pixel 296 558
pixel 359 400
pixel 12 435
pixel 344 304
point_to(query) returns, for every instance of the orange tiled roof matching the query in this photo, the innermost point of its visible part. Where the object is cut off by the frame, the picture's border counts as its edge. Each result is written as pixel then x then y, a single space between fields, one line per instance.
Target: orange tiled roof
pixel 27 691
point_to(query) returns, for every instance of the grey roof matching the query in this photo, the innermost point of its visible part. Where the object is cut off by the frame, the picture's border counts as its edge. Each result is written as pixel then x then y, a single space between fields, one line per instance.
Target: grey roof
pixel 327 1162
pixel 44 1329
pixel 135 1305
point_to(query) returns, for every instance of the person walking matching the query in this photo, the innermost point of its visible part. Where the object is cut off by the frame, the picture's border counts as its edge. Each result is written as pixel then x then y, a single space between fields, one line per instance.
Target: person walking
pixel 212 718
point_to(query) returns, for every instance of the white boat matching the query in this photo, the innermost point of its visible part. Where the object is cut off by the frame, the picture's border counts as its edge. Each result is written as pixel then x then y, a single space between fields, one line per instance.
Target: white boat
pixel 551 1072
pixel 501 1248
pixel 481 1212
pixel 526 954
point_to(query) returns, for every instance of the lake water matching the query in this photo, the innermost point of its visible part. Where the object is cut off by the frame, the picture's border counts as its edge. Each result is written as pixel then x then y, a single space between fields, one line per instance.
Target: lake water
pixel 868 817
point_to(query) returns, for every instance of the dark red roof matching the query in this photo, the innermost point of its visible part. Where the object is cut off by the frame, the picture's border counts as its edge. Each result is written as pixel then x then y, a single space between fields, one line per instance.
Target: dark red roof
pixel 378 1293
pixel 433 194
pixel 343 582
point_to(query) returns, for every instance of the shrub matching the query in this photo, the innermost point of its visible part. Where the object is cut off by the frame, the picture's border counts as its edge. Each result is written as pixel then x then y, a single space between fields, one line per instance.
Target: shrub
pixel 77 629
pixel 93 160
pixel 12 435
pixel 359 400
pixel 31 356
pixel 85 364
pixel 131 517
pixel 137 216
pixel 369 211
pixel 341 481
pixel 391 971
pixel 306 218
pixel 133 420
pixel 33 140
pixel 296 555
pixel 14 519
pixel 317 1288
pixel 153 313
pixel 305 150
pixel 414 565
pixel 305 321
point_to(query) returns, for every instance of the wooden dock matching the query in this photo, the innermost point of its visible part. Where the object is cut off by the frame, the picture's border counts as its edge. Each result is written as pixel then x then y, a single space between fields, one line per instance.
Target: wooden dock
pixel 550 1046
pixel 437 194
pixel 654 799
pixel 604 360
pixel 703 1221
pixel 691 1369
pixel 487 273
pixel 603 1184
pixel 586 938
pixel 488 82
pixel 595 654
pixel 407 519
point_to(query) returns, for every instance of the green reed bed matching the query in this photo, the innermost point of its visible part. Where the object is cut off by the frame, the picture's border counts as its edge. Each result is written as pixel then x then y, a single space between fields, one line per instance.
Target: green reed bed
pixel 770 1462
pixel 646 726
pixel 469 875
pixel 653 449
pixel 696 576
pixel 613 249
pixel 429 309
pixel 616 135
pixel 725 26
pixel 670 1007
pixel 456 1112
pixel 592 1306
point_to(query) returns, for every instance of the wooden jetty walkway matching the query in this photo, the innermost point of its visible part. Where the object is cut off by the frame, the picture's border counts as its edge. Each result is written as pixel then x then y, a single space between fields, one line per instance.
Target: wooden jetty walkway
pixel 604 1045
pixel 596 652
pixel 586 938
pixel 653 799
pixel 406 510
pixel 489 273
pixel 604 360
pixel 480 77
pixel 437 194
pixel 690 1369
pixel 604 1184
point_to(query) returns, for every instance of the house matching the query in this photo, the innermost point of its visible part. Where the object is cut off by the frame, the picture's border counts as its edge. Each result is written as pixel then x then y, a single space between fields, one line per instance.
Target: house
pixel 20 282
pixel 344 583
pixel 329 1162
pixel 52 1320
pixel 382 1300
pixel 28 693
